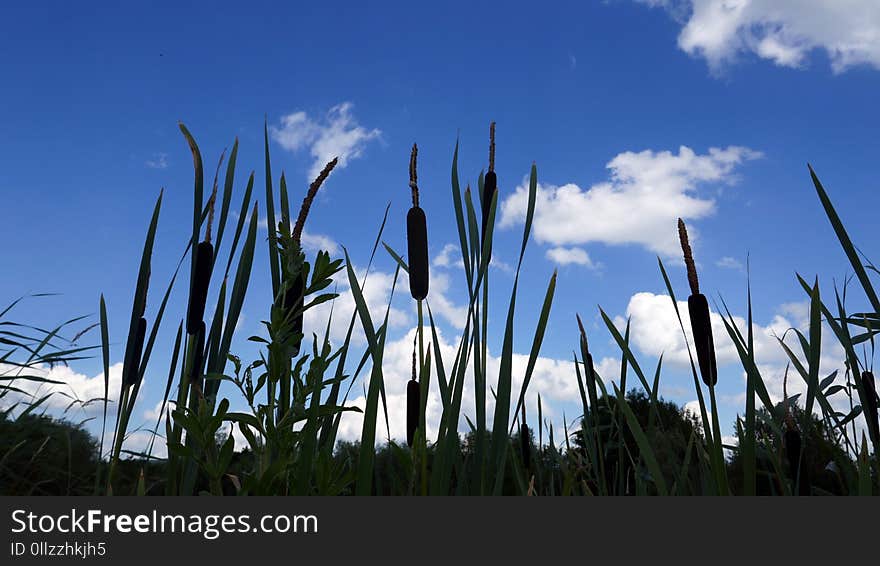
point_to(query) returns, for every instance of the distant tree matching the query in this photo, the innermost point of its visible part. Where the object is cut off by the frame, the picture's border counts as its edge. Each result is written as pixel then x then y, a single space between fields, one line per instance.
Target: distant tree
pixel 669 430
pixel 825 466
pixel 40 455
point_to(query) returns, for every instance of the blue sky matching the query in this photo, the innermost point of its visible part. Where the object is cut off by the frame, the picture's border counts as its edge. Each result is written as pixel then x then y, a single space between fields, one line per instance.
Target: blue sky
pixel 635 112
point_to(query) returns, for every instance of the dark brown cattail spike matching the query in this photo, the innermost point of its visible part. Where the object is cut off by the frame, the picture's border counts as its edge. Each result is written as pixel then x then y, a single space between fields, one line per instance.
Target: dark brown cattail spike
pixel 412 410
pixel 416 238
pixel 413 397
pixel 198 290
pixel 294 300
pixel 525 440
pixel 132 369
pixel 870 404
pixel 698 309
pixel 490 182
pixel 198 359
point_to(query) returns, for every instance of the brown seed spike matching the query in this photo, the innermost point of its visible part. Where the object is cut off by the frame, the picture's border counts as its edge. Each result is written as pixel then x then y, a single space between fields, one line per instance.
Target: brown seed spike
pixel 688 258
pixel 413 175
pixel 310 196
pixel 491 146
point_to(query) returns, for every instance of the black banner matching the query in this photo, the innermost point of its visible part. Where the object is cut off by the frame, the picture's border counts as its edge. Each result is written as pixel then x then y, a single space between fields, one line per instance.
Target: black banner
pixel 168 531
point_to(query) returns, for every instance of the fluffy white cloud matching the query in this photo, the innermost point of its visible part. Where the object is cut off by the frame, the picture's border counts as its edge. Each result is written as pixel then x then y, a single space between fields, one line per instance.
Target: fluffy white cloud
pixel 566 256
pixel 647 192
pixel 76 396
pixel 781 31
pixel 337 134
pixel 448 256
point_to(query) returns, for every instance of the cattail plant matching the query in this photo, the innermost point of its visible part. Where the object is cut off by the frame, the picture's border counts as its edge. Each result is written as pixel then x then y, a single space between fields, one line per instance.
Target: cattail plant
pixel 490 182
pixel 870 404
pixel 416 237
pixel 412 403
pixel 293 298
pixel 698 309
pixel 417 255
pixel 525 440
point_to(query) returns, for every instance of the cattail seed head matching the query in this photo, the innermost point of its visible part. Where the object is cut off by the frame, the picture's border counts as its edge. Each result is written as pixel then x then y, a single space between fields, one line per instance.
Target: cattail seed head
pixel 688 257
pixel 698 309
pixel 198 291
pixel 198 358
pixel 293 301
pixel 417 248
pixel 525 440
pixel 416 236
pixel 309 198
pixel 413 397
pixel 490 181
pixel 870 404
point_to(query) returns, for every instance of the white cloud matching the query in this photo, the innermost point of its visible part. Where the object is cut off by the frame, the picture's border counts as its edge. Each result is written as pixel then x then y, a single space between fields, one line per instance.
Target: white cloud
pixel 337 134
pixel 728 262
pixel 566 256
pixel 782 31
pixel 77 394
pixel 159 161
pixel 449 256
pixel 640 203
pixel 315 242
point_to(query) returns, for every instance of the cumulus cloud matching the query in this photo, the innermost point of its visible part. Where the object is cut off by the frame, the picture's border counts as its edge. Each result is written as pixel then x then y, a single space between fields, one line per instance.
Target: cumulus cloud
pixel 639 204
pixel 782 31
pixel 337 134
pixel 76 395
pixel 566 256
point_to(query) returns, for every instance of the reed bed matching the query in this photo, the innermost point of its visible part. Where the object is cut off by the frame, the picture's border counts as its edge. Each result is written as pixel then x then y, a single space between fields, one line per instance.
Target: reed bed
pixel 626 439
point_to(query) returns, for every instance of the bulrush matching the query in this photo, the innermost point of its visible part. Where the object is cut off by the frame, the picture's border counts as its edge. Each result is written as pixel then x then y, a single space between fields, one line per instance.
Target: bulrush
pixel 412 404
pixel 198 358
pixel 294 296
pixel 132 369
pixel 490 182
pixel 416 237
pixel 698 308
pixel 198 291
pixel 870 404
pixel 524 439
